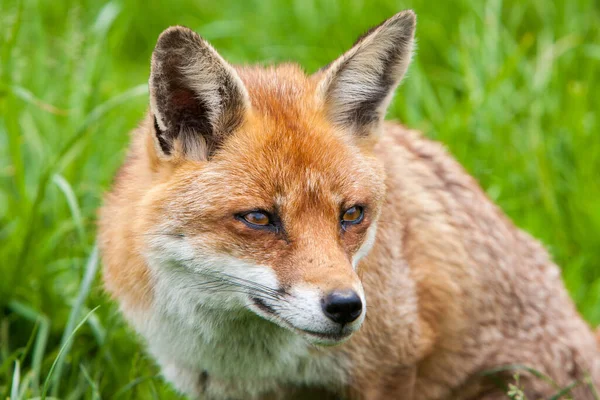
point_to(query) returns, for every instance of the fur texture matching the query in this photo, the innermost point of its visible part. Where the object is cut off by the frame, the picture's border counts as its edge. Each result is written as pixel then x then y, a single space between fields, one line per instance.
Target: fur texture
pixel 450 287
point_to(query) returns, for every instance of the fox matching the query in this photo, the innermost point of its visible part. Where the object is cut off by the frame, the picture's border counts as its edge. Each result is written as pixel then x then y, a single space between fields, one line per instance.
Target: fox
pixel 271 236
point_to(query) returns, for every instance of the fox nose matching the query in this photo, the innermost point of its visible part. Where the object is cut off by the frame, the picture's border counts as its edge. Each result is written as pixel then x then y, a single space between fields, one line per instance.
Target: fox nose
pixel 342 306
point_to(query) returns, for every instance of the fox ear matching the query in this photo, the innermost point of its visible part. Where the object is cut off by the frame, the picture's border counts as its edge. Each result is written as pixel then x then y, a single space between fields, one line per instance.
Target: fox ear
pixel 196 97
pixel 357 88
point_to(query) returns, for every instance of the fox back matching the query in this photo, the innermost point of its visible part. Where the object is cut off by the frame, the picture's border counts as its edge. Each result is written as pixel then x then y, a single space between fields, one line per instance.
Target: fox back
pixel 269 235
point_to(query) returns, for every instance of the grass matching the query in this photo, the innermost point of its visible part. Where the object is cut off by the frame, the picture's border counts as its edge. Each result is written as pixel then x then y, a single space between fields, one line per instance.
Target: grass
pixel 510 86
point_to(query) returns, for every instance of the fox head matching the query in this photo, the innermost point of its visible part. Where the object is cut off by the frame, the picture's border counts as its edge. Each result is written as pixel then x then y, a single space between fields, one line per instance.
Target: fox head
pixel 265 190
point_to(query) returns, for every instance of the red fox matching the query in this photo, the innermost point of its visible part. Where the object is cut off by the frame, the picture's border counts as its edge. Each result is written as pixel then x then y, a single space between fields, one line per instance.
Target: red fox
pixel 271 237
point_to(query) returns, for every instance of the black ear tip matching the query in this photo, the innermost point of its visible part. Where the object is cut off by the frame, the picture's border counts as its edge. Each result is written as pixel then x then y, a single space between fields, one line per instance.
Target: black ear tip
pixel 176 36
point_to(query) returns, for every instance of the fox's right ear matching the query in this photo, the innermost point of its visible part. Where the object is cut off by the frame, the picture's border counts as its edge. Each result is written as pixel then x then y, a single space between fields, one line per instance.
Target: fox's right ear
pixel 357 88
pixel 196 97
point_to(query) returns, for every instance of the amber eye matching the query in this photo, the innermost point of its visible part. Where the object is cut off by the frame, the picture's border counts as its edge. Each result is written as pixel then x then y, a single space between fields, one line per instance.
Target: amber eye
pixel 353 215
pixel 257 218
pixel 261 220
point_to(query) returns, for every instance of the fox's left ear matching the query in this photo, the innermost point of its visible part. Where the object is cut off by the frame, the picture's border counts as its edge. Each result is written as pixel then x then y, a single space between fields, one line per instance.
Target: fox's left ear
pixel 357 88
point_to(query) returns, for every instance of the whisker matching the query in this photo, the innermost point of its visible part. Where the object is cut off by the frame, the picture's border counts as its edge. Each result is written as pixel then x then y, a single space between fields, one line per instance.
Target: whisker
pixel 252 288
pixel 220 285
pixel 244 282
pixel 223 274
pixel 233 290
pixel 255 284
pixel 161 234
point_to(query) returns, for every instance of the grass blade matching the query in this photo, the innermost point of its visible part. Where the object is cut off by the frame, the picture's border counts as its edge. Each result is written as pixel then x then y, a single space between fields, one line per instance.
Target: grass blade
pixel 16 380
pixel 67 190
pixel 133 384
pixel 39 348
pixel 61 354
pixel 30 98
pixel 88 378
pixel 84 290
pixel 565 391
pixel 522 368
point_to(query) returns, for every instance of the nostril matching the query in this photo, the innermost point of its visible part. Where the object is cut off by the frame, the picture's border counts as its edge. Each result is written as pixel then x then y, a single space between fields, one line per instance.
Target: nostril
pixel 342 306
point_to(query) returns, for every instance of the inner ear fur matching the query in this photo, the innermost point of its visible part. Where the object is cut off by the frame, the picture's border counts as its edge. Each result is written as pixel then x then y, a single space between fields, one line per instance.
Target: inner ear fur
pixel 196 97
pixel 356 89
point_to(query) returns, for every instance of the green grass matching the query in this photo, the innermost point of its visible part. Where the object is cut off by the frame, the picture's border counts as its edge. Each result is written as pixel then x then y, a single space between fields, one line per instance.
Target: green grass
pixel 511 87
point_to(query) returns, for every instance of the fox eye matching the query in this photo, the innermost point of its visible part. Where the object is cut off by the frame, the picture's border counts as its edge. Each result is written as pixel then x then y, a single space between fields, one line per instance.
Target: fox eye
pixel 257 219
pixel 353 215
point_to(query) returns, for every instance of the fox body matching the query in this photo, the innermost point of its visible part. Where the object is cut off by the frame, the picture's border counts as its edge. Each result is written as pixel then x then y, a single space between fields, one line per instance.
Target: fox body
pixel 270 236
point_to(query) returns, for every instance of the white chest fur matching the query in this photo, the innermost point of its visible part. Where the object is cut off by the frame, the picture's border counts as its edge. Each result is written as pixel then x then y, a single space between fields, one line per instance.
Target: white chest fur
pixel 228 352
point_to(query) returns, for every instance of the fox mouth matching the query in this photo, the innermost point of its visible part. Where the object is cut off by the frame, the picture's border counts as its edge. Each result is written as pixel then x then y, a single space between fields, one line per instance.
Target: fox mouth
pixel 263 306
pixel 322 338
pixel 328 336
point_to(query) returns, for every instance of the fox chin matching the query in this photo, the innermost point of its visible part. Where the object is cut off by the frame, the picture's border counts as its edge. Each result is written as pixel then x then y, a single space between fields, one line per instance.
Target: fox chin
pixel 270 236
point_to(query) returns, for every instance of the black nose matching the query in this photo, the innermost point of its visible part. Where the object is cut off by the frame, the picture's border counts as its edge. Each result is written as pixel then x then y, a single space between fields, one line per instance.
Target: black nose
pixel 342 306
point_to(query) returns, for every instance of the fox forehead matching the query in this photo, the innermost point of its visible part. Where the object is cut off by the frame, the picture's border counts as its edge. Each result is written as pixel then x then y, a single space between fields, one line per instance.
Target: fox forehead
pixel 285 154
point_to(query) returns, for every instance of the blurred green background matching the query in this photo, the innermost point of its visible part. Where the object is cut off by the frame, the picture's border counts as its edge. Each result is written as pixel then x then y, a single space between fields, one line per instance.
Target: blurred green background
pixel 511 87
